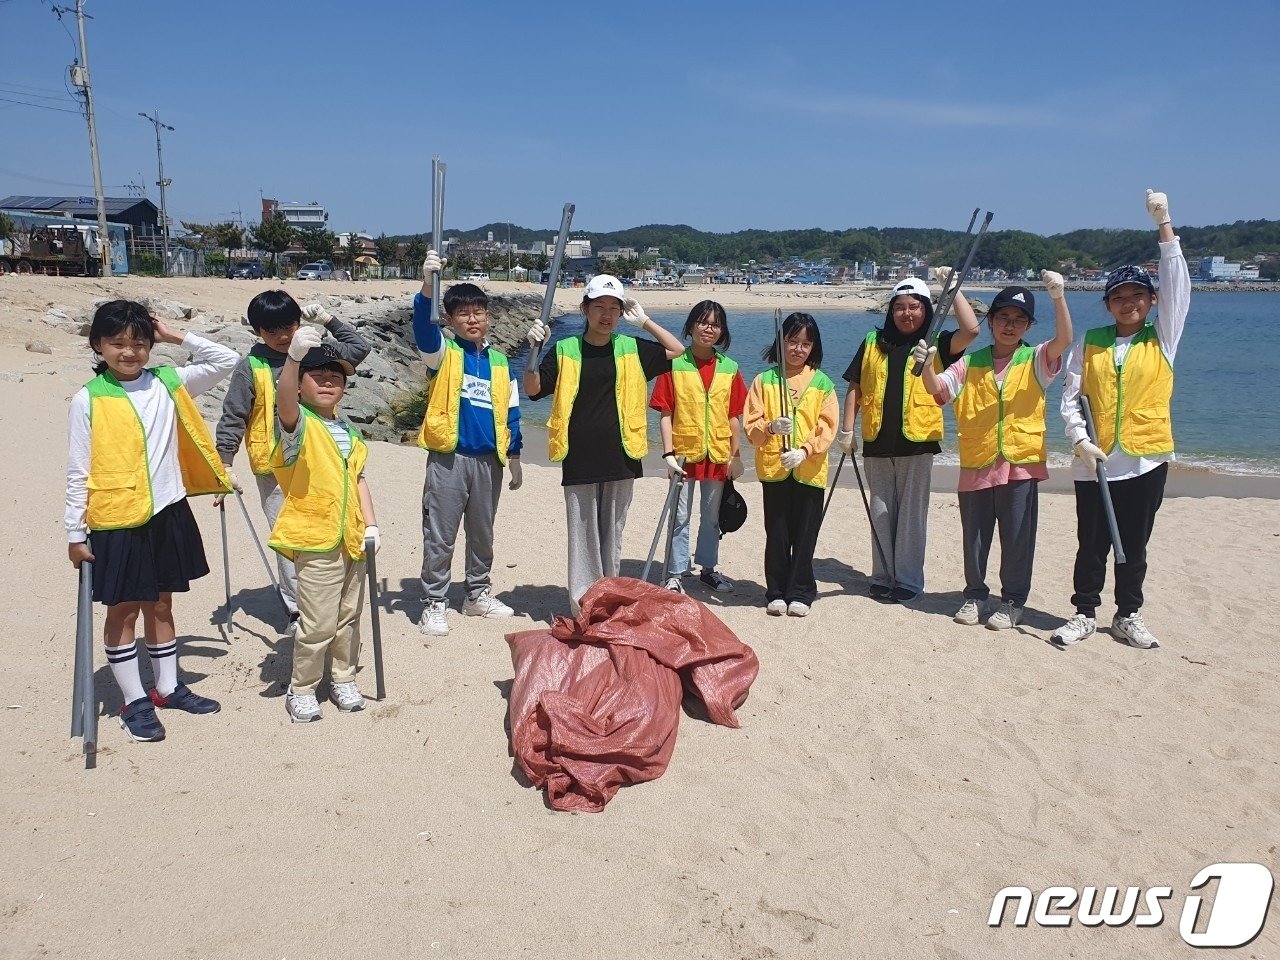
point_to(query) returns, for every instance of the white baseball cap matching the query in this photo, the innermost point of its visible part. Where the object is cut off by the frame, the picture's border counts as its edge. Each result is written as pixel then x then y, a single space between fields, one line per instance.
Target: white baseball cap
pixel 912 285
pixel 603 285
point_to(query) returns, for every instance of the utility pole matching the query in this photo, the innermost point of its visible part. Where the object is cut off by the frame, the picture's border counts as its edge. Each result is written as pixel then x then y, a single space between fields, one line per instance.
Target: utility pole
pixel 80 78
pixel 162 182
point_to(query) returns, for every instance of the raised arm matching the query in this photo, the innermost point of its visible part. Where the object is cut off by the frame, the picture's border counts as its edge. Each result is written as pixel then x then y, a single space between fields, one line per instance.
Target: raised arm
pixel 968 328
pixel 634 313
pixel 1173 297
pixel 304 339
pixel 1056 287
pixel 346 339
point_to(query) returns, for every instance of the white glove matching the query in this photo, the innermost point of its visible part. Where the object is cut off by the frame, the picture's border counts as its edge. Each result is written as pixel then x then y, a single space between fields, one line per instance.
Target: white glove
pixel 943 274
pixel 1054 283
pixel 314 313
pixel 537 333
pixel 673 465
pixel 793 458
pixel 845 439
pixel 371 533
pixel 1090 453
pixel 923 353
pixel 431 265
pixel 1158 207
pixel 632 312
pixel 736 468
pixel 781 426
pixel 517 473
pixel 235 485
pixel 304 340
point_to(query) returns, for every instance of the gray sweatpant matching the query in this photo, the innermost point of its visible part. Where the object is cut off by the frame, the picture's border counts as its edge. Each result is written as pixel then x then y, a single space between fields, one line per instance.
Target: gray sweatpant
pixel 459 490
pixel 900 515
pixel 272 498
pixel 596 514
pixel 1015 507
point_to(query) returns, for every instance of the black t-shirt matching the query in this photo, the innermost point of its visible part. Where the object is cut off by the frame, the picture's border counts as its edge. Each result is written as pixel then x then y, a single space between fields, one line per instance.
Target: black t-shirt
pixel 891 442
pixel 595 441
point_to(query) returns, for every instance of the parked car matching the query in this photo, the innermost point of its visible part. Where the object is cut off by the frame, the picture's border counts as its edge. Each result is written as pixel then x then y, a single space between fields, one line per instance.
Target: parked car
pixel 476 277
pixel 316 271
pixel 245 270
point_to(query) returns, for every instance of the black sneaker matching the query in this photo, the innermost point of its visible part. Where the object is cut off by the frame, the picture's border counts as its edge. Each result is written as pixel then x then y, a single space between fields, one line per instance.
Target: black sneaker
pixel 715 581
pixel 140 721
pixel 184 698
pixel 902 594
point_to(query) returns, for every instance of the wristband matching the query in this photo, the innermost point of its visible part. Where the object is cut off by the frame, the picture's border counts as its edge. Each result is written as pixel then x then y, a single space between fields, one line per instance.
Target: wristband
pixel 669 453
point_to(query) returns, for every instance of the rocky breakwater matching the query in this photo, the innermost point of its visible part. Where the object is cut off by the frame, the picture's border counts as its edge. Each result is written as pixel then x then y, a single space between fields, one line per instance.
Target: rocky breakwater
pixel 384 399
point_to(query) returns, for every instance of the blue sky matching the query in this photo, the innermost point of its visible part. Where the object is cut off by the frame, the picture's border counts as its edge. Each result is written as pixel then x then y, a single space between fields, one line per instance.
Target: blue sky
pixel 720 115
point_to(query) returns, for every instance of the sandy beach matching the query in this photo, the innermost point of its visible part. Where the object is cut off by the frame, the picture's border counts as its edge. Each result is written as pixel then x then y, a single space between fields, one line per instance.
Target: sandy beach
pixel 894 769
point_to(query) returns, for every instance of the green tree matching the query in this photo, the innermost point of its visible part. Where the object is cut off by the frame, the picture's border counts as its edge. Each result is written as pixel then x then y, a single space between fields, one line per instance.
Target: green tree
pixel 227 236
pixel 274 236
pixel 7 227
pixel 388 250
pixel 415 251
pixel 1269 270
pixel 318 242
pixel 355 249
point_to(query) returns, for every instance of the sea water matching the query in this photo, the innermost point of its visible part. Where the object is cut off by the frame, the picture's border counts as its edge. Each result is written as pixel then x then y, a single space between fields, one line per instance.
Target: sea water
pixel 1226 399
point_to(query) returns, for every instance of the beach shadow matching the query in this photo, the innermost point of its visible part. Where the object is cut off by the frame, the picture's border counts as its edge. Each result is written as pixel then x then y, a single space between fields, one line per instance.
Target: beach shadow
pixel 276 669
pixel 538 602
pixel 261 603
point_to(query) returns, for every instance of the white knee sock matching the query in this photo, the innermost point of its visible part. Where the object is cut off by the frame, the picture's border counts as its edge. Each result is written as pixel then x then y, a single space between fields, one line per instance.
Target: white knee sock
pixel 124 667
pixel 164 664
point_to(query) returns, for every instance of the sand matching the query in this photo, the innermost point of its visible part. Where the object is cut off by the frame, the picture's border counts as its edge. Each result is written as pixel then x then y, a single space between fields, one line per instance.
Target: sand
pixel 894 769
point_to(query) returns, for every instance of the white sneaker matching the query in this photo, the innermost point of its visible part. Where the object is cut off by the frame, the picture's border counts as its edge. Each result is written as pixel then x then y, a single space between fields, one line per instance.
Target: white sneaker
pixel 302 707
pixel 434 621
pixel 673 584
pixel 776 608
pixel 1133 631
pixel 346 696
pixel 970 614
pixel 797 609
pixel 1073 631
pixel 486 605
pixel 1006 618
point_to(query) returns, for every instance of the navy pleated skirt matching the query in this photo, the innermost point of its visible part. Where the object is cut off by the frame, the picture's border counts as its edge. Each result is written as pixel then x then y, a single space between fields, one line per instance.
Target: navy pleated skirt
pixel 138 564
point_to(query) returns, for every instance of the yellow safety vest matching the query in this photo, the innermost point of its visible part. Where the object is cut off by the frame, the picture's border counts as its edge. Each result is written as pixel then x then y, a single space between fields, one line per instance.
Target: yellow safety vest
pixel 444 399
pixel 260 432
pixel 119 481
pixel 921 415
pixel 804 417
pixel 700 423
pixel 1129 402
pixel 628 388
pixel 1001 419
pixel 321 509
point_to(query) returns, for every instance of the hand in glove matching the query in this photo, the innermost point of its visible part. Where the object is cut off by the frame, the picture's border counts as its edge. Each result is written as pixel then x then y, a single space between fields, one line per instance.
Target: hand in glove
pixel 431 265
pixel 371 533
pixel 1053 283
pixel 632 312
pixel 304 340
pixel 537 333
pixel 780 427
pixel 793 458
pixel 235 485
pixel 673 466
pixel 1090 453
pixel 1158 207
pixel 314 313
pixel 923 353
pixel 943 274
pixel 735 467
pixel 517 473
pixel 845 439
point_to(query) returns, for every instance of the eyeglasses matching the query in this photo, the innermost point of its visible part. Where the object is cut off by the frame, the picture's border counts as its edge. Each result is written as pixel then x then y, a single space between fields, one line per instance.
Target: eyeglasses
pixel 475 313
pixel 1011 321
pixel 914 306
pixel 709 324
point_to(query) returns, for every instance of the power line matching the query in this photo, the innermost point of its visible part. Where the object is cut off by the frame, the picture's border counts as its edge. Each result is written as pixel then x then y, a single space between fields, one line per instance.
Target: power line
pixel 38 106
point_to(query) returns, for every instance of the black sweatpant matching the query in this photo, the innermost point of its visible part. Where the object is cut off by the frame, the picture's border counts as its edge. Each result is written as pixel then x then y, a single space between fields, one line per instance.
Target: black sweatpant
pixel 792 515
pixel 1136 502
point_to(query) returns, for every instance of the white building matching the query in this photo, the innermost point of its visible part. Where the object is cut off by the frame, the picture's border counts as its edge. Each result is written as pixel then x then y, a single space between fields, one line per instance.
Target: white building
pixel 304 216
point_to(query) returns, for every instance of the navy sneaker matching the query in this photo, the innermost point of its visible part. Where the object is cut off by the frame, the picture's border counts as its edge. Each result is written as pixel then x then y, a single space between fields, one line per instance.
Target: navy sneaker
pixel 140 721
pixel 903 594
pixel 184 698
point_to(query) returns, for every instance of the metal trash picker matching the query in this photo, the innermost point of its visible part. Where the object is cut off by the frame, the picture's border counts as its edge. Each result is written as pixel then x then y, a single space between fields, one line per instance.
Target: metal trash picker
pixel 1103 490
pixel 266 564
pixel 372 566
pixel 84 700
pixel 553 280
pixel 949 290
pixel 437 229
pixel 784 401
pixel 226 564
pixel 676 484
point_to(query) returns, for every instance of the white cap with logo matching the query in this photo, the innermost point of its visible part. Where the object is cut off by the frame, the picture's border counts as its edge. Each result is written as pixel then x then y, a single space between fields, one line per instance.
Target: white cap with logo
pixel 913 285
pixel 603 285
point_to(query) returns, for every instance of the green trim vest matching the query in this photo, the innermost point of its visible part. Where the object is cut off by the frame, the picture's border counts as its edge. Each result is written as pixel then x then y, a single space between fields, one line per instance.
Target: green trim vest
pixel 921 415
pixel 700 427
pixel 1003 419
pixel 439 431
pixel 260 431
pixel 804 417
pixel 628 389
pixel 1131 402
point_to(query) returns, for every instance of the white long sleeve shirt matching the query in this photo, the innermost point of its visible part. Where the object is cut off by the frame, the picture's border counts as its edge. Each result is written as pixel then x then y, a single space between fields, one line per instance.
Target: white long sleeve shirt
pixel 210 363
pixel 1173 300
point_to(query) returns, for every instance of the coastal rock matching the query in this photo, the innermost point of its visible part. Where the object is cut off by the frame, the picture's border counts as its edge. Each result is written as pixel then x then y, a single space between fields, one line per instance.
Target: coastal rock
pixel 39 346
pixel 168 309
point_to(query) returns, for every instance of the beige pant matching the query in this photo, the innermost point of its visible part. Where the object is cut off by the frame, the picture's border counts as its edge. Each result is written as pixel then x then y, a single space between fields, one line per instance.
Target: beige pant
pixel 330 598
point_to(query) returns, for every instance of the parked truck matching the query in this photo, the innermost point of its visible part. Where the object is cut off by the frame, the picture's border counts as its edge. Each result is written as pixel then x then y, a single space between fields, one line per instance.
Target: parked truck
pixel 60 251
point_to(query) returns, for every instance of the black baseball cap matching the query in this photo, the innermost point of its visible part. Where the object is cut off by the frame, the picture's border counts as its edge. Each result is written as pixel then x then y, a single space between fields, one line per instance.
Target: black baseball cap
pixel 1019 297
pixel 327 355
pixel 1128 274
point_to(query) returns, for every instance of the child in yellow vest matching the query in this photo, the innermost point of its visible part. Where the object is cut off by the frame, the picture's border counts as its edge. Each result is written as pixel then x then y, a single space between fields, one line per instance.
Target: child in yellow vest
pixel 999 396
pixel 249 406
pixel 326 517
pixel 791 462
pixel 137 448
pixel 1126 371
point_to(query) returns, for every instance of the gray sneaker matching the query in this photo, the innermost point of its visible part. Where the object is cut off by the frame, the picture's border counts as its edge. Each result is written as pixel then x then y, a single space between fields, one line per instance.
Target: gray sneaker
pixel 302 707
pixel 673 584
pixel 1133 631
pixel 1073 631
pixel 486 605
pixel 434 621
pixel 970 614
pixel 1006 618
pixel 346 696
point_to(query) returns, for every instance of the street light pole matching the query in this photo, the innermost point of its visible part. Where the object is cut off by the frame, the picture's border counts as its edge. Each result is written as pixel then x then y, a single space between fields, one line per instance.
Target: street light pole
pixel 80 78
pixel 161 183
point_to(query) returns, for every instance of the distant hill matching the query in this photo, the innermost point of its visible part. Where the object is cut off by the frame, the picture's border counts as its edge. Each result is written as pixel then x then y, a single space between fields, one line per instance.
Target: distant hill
pixel 1005 249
